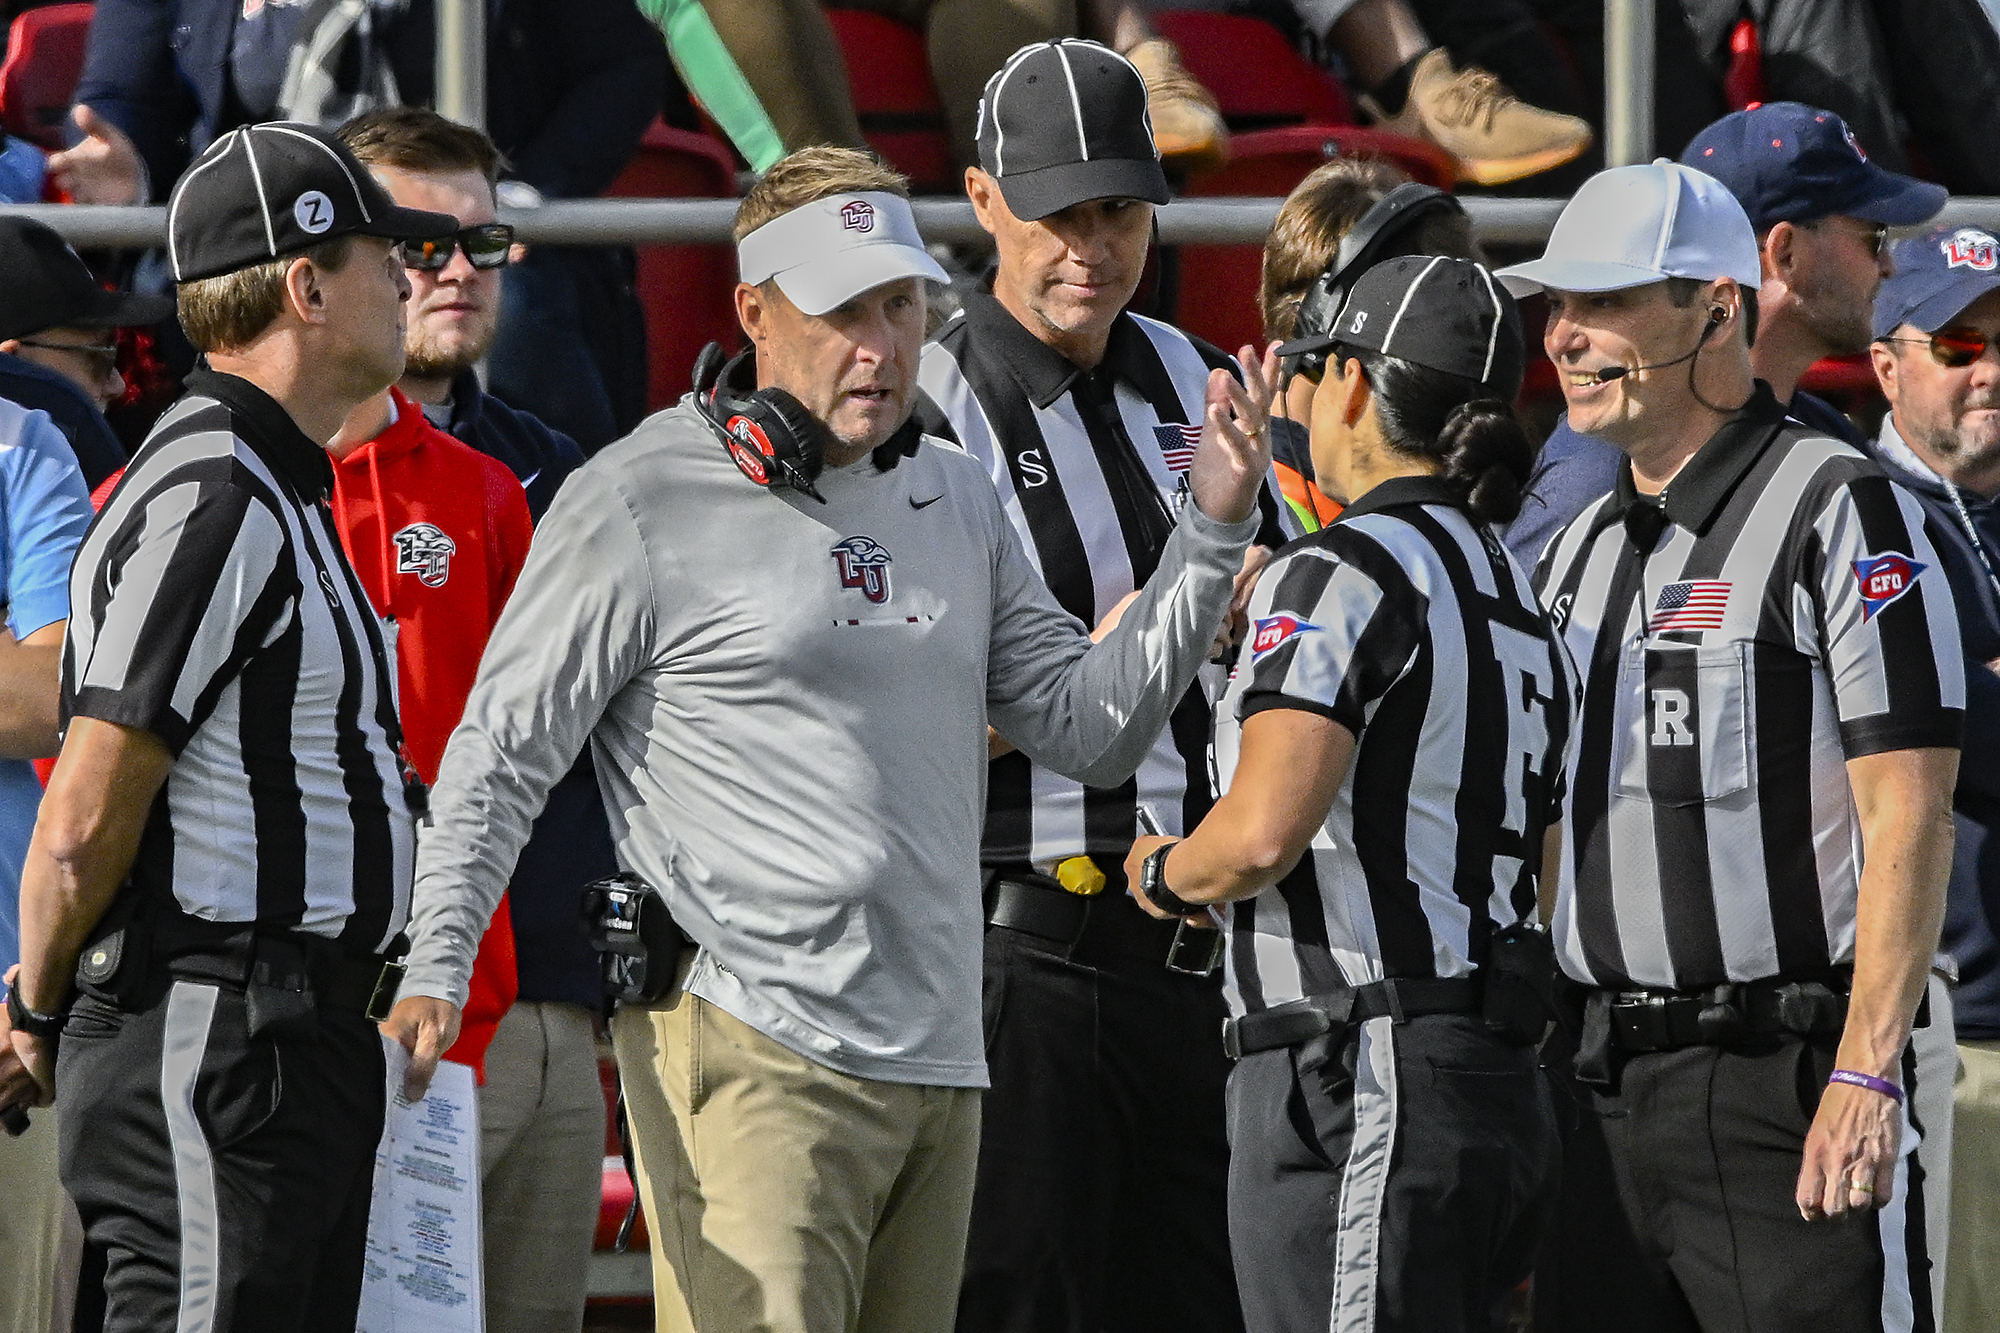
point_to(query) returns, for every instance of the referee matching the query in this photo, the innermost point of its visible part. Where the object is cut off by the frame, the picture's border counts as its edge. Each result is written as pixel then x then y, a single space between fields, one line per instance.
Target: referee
pixel 1759 815
pixel 1393 752
pixel 1086 419
pixel 223 858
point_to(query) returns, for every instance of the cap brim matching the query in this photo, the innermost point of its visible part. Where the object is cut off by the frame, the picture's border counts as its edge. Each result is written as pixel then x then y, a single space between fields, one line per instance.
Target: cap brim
pixel 1941 308
pixel 409 224
pixel 818 285
pixel 1574 276
pixel 1316 342
pixel 121 310
pixel 1897 200
pixel 1033 195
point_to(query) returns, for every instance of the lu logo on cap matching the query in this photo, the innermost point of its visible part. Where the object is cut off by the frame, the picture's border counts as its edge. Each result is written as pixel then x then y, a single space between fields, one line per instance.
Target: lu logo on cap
pixel 1969 247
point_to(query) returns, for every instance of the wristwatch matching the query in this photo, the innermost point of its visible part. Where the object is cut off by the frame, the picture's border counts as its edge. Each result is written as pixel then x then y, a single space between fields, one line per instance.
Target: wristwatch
pixel 1153 883
pixel 45 1026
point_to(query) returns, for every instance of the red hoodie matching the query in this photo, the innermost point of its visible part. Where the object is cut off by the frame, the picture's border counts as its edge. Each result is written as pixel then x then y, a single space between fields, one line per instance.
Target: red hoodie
pixel 440 568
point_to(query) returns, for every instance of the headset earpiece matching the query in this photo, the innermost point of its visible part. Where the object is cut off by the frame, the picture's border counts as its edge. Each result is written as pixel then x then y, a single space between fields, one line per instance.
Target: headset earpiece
pixel 1717 314
pixel 769 434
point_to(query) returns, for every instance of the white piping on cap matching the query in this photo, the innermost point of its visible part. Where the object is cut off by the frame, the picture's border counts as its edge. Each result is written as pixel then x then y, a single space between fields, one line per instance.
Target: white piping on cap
pixel 180 192
pixel 1075 102
pixel 1389 338
pixel 359 202
pixel 995 86
pixel 1493 338
pixel 263 204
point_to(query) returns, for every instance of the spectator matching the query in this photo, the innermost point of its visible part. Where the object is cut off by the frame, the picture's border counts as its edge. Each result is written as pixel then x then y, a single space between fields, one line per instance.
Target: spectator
pixel 1336 225
pixel 865 612
pixel 44 508
pixel 1079 413
pixel 570 84
pixel 226 841
pixel 1821 211
pixel 57 353
pixel 1937 321
pixel 1752 871
pixel 541 1112
pixel 1378 923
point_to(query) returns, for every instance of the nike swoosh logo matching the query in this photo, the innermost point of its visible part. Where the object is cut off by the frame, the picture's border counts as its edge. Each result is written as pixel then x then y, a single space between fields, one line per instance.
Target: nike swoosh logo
pixel 529 480
pixel 915 503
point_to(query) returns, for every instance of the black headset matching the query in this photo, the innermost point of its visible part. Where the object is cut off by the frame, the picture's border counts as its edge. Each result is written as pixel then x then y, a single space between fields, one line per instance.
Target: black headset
pixel 773 438
pixel 1365 243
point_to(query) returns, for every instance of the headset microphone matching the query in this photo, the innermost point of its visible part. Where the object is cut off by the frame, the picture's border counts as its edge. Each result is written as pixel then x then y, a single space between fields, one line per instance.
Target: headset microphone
pixel 1715 318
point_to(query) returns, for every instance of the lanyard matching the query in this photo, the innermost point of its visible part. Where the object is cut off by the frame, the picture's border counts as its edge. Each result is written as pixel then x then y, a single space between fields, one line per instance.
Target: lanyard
pixel 1978 546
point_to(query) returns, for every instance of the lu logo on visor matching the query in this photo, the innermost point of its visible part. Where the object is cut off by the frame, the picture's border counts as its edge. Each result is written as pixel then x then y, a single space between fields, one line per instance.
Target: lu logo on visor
pixel 1883 579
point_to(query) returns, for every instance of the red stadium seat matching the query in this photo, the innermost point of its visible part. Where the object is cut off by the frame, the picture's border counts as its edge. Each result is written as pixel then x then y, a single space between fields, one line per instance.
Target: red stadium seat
pixel 686 290
pixel 44 61
pixel 1259 79
pixel 889 71
pixel 1216 293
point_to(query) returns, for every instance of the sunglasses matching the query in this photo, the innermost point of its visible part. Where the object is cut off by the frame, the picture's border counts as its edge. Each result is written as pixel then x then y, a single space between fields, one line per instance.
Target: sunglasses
pixel 1956 348
pixel 103 356
pixel 1875 235
pixel 486 247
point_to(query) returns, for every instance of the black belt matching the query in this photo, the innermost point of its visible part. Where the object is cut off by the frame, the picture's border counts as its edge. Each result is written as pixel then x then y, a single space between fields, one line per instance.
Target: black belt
pixel 1316 1015
pixel 1646 1021
pixel 1107 921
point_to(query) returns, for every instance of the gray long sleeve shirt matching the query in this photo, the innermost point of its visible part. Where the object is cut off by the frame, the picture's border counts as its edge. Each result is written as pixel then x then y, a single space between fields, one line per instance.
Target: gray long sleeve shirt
pixel 788 703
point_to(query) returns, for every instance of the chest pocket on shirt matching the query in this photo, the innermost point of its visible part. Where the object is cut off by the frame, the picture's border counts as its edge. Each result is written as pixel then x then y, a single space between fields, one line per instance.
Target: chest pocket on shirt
pixel 1684 734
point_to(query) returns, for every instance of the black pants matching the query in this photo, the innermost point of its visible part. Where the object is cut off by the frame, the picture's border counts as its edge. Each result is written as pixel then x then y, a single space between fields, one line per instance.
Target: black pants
pixel 1678 1207
pixel 223 1180
pixel 1399 1179
pixel 1102 1163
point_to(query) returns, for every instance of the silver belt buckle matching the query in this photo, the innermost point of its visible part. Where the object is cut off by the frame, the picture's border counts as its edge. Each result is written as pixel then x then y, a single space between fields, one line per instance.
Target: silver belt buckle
pixel 1186 943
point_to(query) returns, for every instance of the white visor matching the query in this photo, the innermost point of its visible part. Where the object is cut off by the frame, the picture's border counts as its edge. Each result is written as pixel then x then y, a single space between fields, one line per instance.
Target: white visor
pixel 833 249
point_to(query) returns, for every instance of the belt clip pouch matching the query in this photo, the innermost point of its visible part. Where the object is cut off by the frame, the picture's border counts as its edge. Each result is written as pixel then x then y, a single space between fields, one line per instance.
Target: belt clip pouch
pixel 638 944
pixel 1518 1000
pixel 113 965
pixel 1598 1061
pixel 278 997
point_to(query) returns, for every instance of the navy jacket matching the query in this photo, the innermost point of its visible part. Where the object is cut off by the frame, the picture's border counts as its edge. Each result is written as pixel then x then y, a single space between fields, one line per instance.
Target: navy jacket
pixel 570 84
pixel 570 844
pixel 97 449
pixel 1972 903
pixel 1573 470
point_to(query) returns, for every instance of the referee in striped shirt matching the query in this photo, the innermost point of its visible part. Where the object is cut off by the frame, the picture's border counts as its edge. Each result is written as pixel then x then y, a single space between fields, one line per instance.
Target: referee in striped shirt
pixel 1086 418
pixel 223 858
pixel 1393 748
pixel 1759 815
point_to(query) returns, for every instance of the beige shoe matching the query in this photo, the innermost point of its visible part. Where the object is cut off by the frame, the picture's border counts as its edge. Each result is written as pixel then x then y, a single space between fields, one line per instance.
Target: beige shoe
pixel 1187 123
pixel 1495 136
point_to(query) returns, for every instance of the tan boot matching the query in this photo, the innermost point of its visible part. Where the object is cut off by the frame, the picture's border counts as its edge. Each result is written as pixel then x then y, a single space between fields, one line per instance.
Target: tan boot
pixel 1495 136
pixel 1186 121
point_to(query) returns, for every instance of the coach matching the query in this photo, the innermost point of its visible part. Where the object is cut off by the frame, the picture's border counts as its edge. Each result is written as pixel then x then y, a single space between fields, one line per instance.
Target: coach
pixel 1085 417
pixel 227 838
pixel 782 618
pixel 1759 814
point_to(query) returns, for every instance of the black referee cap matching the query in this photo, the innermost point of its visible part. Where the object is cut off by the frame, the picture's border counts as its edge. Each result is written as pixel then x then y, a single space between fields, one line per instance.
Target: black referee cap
pixel 1063 122
pixel 1431 310
pixel 271 189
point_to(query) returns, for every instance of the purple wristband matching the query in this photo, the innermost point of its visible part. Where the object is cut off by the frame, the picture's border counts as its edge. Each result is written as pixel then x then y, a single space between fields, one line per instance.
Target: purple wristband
pixel 1868 1081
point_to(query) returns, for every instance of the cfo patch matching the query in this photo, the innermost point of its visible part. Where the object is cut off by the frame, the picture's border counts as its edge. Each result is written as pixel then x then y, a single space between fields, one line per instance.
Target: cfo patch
pixel 864 566
pixel 1884 578
pixel 423 549
pixel 1274 632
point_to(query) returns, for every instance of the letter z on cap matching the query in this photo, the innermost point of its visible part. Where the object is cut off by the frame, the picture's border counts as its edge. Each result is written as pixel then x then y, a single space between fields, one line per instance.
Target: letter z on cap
pixel 833 249
pixel 273 189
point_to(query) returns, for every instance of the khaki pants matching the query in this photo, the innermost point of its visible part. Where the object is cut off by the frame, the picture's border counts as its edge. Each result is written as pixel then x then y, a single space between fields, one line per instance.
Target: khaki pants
pixel 786 1197
pixel 1972 1276
pixel 541 1126
pixel 41 1241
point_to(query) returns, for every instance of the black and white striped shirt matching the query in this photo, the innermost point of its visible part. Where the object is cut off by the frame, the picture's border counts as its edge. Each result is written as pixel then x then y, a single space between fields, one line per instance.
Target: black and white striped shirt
pixel 213 607
pixel 1790 617
pixel 1406 622
pixel 1091 467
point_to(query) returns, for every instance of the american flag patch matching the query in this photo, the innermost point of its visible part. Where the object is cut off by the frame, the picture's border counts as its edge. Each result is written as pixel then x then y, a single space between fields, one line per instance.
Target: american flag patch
pixel 1695 604
pixel 1177 445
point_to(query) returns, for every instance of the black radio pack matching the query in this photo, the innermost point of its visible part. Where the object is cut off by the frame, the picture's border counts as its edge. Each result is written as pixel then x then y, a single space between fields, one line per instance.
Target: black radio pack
pixel 638 945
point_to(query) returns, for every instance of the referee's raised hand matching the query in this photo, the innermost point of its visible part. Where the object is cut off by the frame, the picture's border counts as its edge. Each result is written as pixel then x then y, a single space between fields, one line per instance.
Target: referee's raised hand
pixel 1235 451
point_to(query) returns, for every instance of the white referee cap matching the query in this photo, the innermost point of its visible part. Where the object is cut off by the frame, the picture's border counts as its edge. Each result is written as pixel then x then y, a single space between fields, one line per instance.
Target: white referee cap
pixel 1633 225
pixel 833 249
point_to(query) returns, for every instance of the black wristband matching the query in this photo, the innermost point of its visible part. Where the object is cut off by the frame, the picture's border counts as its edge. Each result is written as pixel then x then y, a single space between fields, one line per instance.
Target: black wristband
pixel 30 1021
pixel 1153 883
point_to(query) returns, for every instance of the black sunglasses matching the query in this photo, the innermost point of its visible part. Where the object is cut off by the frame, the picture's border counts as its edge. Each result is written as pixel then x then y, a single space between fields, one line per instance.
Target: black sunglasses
pixel 1875 235
pixel 102 356
pixel 1956 348
pixel 486 247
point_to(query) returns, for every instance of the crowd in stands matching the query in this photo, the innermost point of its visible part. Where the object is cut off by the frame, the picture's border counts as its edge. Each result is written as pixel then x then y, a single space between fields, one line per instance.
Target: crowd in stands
pixel 332 635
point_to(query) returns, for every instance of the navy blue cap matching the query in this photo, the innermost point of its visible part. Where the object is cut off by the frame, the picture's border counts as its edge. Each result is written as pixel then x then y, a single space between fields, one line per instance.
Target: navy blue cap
pixel 1787 162
pixel 1938 274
